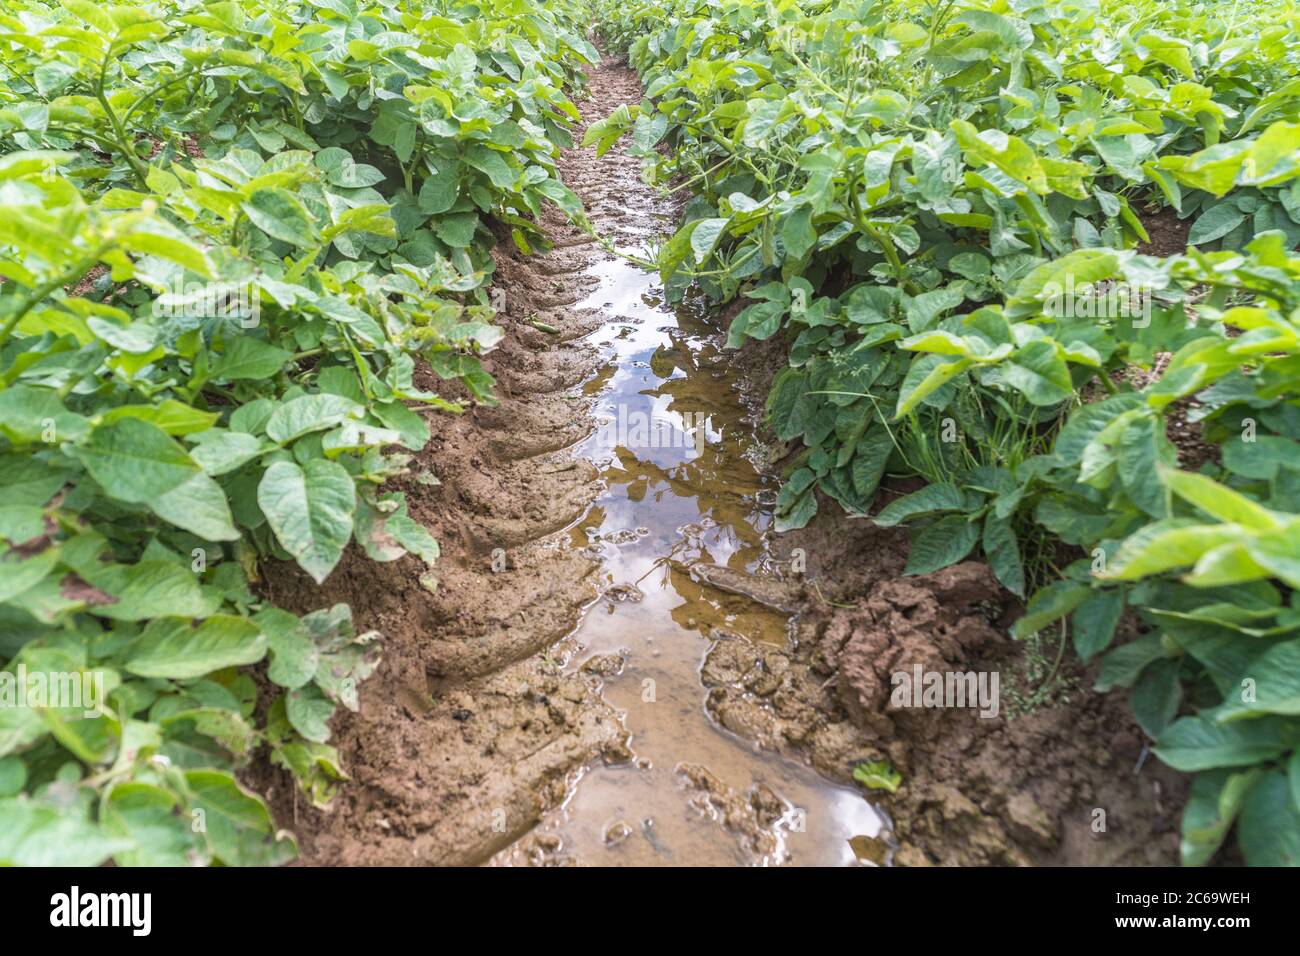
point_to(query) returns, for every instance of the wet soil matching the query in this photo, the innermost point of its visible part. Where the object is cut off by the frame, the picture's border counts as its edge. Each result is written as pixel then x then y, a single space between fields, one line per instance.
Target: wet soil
pixel 681 511
pixel 615 661
pixel 1065 780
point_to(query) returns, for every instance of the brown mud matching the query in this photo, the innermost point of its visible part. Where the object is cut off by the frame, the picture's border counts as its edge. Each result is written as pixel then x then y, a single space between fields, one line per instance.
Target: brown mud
pixel 1007 790
pixel 616 661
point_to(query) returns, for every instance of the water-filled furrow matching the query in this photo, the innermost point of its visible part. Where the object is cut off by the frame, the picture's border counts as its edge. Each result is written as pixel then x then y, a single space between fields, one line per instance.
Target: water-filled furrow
pixel 672 447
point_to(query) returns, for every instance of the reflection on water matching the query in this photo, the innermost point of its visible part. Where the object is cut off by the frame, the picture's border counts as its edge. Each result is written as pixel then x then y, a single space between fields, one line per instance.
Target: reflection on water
pixel 685 494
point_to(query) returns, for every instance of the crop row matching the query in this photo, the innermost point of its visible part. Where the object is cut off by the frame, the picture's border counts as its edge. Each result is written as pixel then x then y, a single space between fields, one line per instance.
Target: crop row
pixel 951 213
pixel 230 228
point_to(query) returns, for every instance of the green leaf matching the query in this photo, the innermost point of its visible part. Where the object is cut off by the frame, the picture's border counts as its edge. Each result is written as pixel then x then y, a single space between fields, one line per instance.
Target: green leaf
pixel 762 118
pixel 173 417
pixel 279 214
pixel 1011 155
pixel 218 451
pixel 1156 696
pixel 39 835
pixel 758 321
pixel 457 230
pixel 783 400
pixel 1076 271
pixel 870 459
pixel 440 189
pixel 413 429
pixel 604 133
pixel 309 413
pixel 705 237
pixel 1276 552
pixel 1039 373
pixel 1049 605
pixel 1198 743
pixel 148 816
pixel 1269 829
pixel 1125 664
pixel 1094 621
pixel 198 506
pixel 1213 803
pixel 1276 674
pixel 1219 501
pixel 294 656
pixel 245 357
pixel 135 461
pixel 794 509
pixel 797 232
pixel 1167 545
pixel 26 415
pixel 493 164
pixel 927 375
pixel 1142 448
pixel 236 823
pixel 151 239
pixel 19 574
pixel 172 648
pixel 1014 33
pixel 309 712
pixel 942 543
pixel 310 509
pixel 28 481
pixel 1215 223
pixel 878 775
pixel 19 726
pixel 1086 423
pixel 942 496
pixel 13 775
pixel 149 589
pixel 1003 553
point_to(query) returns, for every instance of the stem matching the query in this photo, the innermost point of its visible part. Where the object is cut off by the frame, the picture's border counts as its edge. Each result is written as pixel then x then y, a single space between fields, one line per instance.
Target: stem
pixel 107 145
pixel 703 174
pixel 1046 685
pixel 155 91
pixel 816 77
pixel 124 145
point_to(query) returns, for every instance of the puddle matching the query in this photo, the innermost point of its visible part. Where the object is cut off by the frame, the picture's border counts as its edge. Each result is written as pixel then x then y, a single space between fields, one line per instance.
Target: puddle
pixel 680 489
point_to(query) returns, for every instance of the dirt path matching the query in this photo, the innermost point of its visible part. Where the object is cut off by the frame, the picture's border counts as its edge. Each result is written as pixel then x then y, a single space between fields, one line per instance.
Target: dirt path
pixel 619 663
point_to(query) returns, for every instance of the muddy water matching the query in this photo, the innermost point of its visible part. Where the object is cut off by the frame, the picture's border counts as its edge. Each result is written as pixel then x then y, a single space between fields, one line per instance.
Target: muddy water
pixel 673 449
